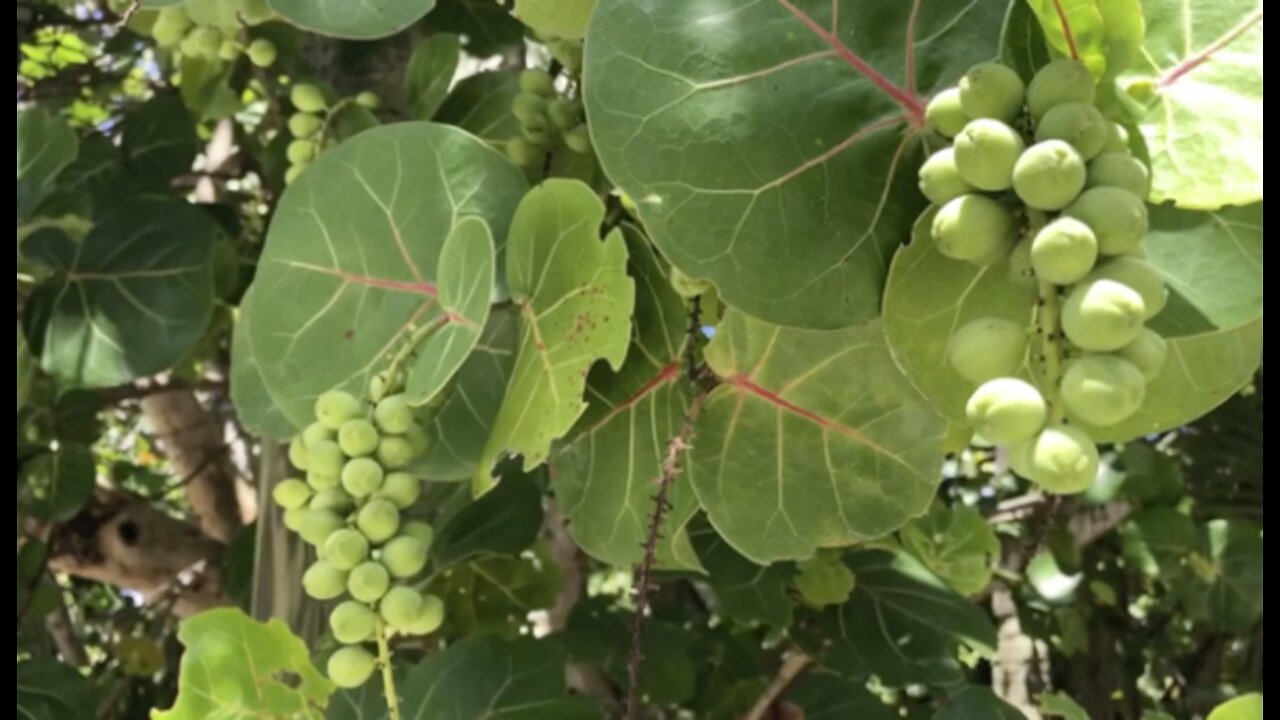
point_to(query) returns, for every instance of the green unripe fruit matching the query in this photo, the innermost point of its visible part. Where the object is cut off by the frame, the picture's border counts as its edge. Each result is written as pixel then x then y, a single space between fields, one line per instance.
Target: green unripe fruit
pixel 394 415
pixel 1049 176
pixel 405 557
pixel 1020 271
pixel 293 173
pixel 401 608
pixel 293 519
pixel 304 125
pixel 1081 126
pixel 523 153
pixel 1118 217
pixel 335 500
pixel 538 82
pixel 987 349
pixel 291 494
pixel 263 53
pixel 324 582
pixel 204 42
pixel 1103 390
pixel 420 531
pixel 369 100
pixel 379 520
pixel 419 440
pixel 229 50
pixel 1020 460
pixel 326 458
pixel 1060 83
pixel 170 27
pixel 529 108
pixel 688 287
pixel 1103 316
pixel 940 179
pixel 319 525
pixel 256 12
pixel 1120 170
pixel 1008 411
pixel 430 618
pixel 396 453
pixel 347 549
pixel 353 623
pixel 1149 353
pixel 358 438
pixel 321 482
pixel 1117 139
pixel 307 98
pixel 986 153
pixel 1064 252
pixel 945 114
pixel 541 138
pixel 402 489
pixel 565 114
pixel 992 90
pixel 301 152
pixel 1064 460
pixel 317 433
pixel 362 477
pixel 350 668
pixel 973 227
pixel 299 457
pixel 335 408
pixel 369 582
pixel 1139 275
pixel 579 139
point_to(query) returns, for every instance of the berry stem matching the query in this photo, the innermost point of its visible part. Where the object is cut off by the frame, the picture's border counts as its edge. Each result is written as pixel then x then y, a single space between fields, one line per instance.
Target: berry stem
pixel 418 337
pixel 388 672
pixel 1051 330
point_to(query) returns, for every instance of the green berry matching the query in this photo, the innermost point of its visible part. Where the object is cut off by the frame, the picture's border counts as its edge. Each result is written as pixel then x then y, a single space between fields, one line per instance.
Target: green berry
pixel 335 408
pixel 170 27
pixel 293 519
pixel 420 442
pixel 321 482
pixel 304 125
pixel 396 453
pixel 1064 252
pixel 524 154
pixel 1064 460
pixel 579 139
pixel 529 108
pixel 945 114
pixel 326 458
pixel 1140 276
pixel 1117 139
pixel 394 415
pixel 369 582
pixel 358 438
pixel 263 53
pixel 1049 176
pixel 1118 217
pixel 317 433
pixel 350 668
pixel 301 152
pixel 324 582
pixel 1060 83
pixel 203 42
pixel 353 623
pixel 1103 316
pixel 986 153
pixel 987 349
pixel 429 619
pixel 565 114
pixel 992 90
pixel 291 494
pixel 362 477
pixel 973 227
pixel 1149 353
pixel 538 82
pixel 541 138
pixel 405 557
pixel 402 489
pixel 369 100
pixel 335 500
pixel 401 608
pixel 307 98
pixel 940 179
pixel 421 531
pixel 230 50
pixel 381 385
pixel 1080 125
pixel 1007 411
pixel 1103 390
pixel 1021 273
pixel 1120 170
pixel 379 520
pixel 293 173
pixel 299 457
pixel 256 12
pixel 347 549
pixel 318 526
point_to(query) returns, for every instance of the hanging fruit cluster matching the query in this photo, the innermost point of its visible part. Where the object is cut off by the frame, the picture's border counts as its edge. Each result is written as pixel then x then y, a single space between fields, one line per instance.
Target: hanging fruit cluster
pixel 1039 173
pixel 545 117
pixel 216 31
pixel 311 121
pixel 350 509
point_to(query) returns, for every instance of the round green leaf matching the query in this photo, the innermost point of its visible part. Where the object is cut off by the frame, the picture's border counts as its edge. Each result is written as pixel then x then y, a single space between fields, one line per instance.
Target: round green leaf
pixel 814 440
pixel 1248 707
pixel 767 153
pixel 563 19
pixel 481 105
pixel 365 20
pixel 430 73
pixel 58 484
pixel 46 146
pixel 956 544
pixel 351 269
pixel 159 142
pixel 49 690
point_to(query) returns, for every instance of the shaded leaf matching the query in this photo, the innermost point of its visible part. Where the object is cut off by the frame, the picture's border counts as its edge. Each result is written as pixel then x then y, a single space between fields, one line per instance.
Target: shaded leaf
pixel 748 593
pixel 496 595
pixel 1051 580
pixel 234 667
pixel 430 73
pixel 1159 542
pixel 575 302
pixel 975 703
pixel 26 366
pixel 1024 46
pixel 1234 601
pixel 46 146
pixel 365 20
pixel 606 478
pixel 367 703
pixel 600 636
pixel 206 87
pixel 504 522
pixel 815 440
pixel 904 626
pixel 49 690
pixel 1062 706
pixel 355 248
pixel 481 105
pixel 1248 707
pixel 830 697
pixel 159 142
pixel 563 19
pixel 129 300
pixel 824 580
pixel 57 485
pixel 488 677
pixel 767 154
pixel 486 27
pixel 956 544
pixel 1205 131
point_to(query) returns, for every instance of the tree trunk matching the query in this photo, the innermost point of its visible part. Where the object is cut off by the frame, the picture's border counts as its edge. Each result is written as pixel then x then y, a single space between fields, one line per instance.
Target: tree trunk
pixel 192 438
pixel 121 540
pixel 1016 657
pixel 280 559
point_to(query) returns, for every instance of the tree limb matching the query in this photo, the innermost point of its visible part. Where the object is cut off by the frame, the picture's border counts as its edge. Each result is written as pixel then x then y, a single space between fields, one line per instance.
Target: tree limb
pixel 793 668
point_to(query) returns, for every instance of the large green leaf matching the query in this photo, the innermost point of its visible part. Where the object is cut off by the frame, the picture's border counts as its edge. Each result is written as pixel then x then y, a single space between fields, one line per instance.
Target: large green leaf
pixel 1060 705
pixel 58 484
pixel 956 544
pixel 904 626
pixel 364 20
pixel 564 19
pixel 430 73
pixel 975 703
pixel 46 146
pixel 239 669
pixel 26 369
pixel 504 522
pixel 599 635
pixel 824 696
pixel 159 142
pixel 1158 543
pixel 814 440
pixel 1234 601
pixel 493 678
pixel 605 478
pixel 131 299
pixel 1205 132
pixel 352 262
pixel 495 595
pixel 748 593
pixel 1105 34
pixel 49 690
pixel 767 152
pixel 367 703
pixel 464 287
pixel 485 26
pixel 1248 707
pixel 575 302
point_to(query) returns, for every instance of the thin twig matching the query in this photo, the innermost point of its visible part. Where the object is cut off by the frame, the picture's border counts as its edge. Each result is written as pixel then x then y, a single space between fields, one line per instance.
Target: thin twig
pixel 129 12
pixel 793 668
pixel 676 449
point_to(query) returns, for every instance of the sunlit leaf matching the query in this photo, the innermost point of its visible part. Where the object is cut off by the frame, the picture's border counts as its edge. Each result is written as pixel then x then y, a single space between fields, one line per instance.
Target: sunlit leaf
pixel 956 544
pixel 365 20
pixel 1248 707
pixel 49 690
pixel 564 19
pixel 46 146
pixel 430 73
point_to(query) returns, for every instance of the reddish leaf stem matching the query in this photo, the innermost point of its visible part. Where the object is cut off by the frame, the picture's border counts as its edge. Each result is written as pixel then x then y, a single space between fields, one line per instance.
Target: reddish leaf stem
pixel 1189 65
pixel 1066 30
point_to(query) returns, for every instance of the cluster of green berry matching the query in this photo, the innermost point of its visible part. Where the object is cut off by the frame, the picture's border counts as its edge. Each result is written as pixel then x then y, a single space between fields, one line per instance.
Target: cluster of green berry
pixel 350 509
pixel 312 116
pixel 214 30
pixel 545 116
pixel 1037 174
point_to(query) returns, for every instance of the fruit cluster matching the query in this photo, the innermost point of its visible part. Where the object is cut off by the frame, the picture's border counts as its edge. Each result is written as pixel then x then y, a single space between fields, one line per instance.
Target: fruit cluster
pixel 310 122
pixel 545 116
pixel 215 30
pixel 356 459
pixel 1039 176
